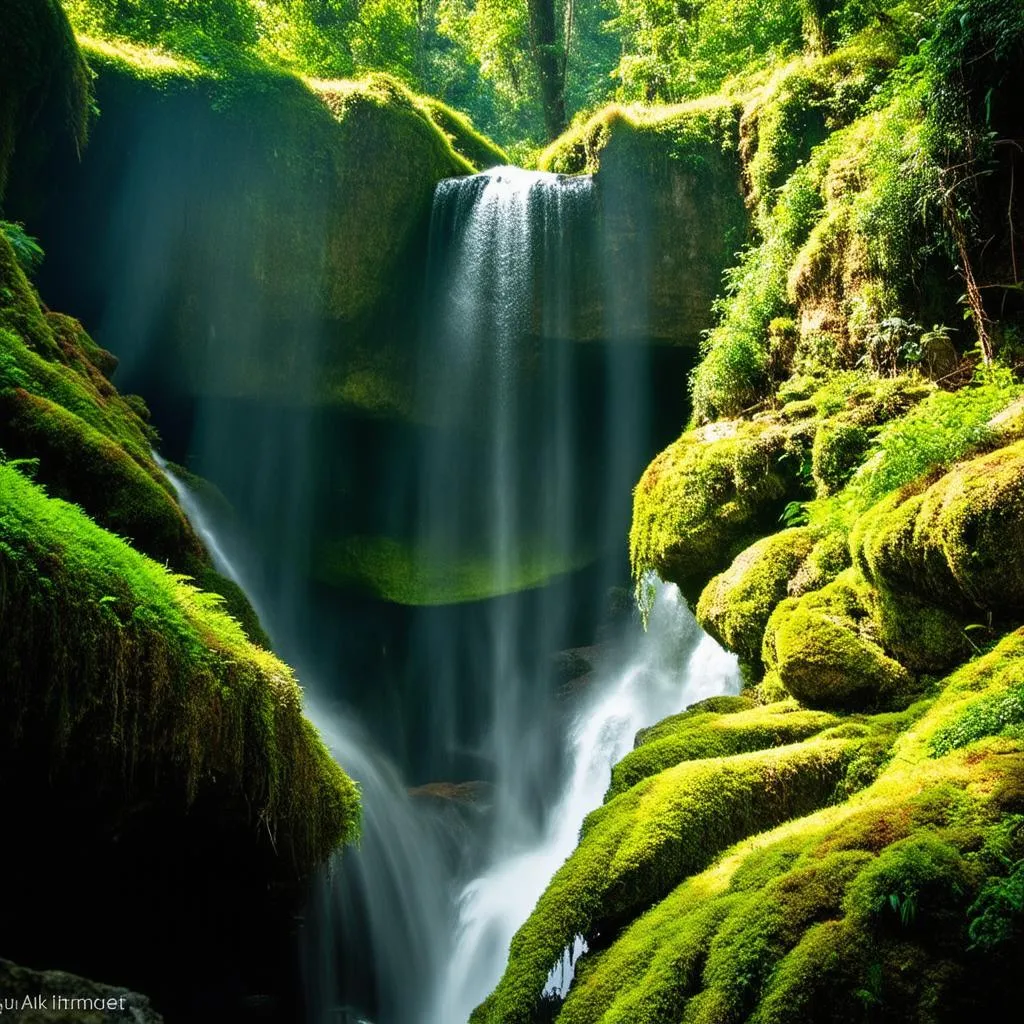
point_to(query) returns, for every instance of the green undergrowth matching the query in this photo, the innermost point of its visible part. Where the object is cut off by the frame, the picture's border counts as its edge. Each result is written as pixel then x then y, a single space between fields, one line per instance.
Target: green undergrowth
pixel 116 663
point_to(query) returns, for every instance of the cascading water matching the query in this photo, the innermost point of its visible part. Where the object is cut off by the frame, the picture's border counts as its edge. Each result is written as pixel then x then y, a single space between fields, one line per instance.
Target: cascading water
pixel 673 666
pixel 514 495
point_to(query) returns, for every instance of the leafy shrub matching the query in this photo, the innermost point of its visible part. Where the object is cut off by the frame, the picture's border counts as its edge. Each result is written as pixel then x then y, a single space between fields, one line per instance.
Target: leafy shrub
pixel 27 250
pixel 940 430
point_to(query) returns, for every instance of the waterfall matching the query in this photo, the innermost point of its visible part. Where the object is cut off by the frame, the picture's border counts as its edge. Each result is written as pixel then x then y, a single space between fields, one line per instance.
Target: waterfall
pixel 510 489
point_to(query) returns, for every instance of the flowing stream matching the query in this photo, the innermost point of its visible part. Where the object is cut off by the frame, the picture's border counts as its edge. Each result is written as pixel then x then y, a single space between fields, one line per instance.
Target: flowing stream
pixel 527 448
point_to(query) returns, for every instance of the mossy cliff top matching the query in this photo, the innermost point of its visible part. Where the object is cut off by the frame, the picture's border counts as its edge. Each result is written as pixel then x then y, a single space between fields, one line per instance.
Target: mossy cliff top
pixel 251 232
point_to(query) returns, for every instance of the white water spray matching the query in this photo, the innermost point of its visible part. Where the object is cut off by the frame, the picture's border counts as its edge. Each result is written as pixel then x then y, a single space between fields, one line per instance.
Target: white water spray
pixel 674 665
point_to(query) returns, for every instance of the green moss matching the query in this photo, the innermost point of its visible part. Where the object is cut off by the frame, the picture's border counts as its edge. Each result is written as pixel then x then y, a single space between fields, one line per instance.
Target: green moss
pixel 838 450
pixel 856 909
pixel 693 134
pixel 45 87
pixel 708 495
pixel 947 426
pixel 827 559
pixel 983 699
pixel 735 606
pixel 727 704
pixel 708 734
pixel 90 444
pixel 918 882
pixel 637 847
pixel 959 541
pixel 920 636
pixel 825 649
pixel 411 574
pixel 469 143
pixel 115 663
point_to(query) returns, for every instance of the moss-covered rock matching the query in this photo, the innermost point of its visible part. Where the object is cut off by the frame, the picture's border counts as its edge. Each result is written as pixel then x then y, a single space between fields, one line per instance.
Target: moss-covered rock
pixel 825 649
pixel 959 541
pixel 87 443
pixel 115 665
pixel 708 495
pixel 637 847
pixel 670 212
pixel 735 606
pixel 67 999
pixel 700 734
pixel 838 450
pixel 876 901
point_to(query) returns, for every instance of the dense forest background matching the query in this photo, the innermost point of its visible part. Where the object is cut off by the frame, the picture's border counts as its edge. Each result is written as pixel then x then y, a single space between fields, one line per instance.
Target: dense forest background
pixel 523 69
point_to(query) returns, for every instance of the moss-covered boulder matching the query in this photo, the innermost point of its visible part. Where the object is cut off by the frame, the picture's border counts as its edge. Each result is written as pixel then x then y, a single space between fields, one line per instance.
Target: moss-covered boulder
pixel 67 999
pixel 708 495
pixel 118 667
pixel 85 441
pixel 958 542
pixel 638 846
pixel 45 87
pixel 670 213
pixel 735 606
pixel 825 648
pixel 697 734
pixel 900 895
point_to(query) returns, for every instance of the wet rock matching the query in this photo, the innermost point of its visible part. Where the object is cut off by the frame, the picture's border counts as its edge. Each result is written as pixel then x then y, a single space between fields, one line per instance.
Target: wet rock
pixel 53 997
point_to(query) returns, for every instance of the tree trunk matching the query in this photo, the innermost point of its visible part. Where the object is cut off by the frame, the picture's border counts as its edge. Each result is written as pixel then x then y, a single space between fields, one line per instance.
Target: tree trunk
pixel 547 56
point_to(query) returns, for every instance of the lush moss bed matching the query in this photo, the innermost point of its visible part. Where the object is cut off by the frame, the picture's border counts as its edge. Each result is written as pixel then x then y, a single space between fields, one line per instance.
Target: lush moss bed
pixel 115 663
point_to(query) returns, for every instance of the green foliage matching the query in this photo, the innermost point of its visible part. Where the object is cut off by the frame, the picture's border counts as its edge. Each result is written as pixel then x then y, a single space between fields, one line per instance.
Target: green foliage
pixel 939 431
pixel 997 916
pixel 27 250
pixel 989 716
pixel 734 371
pixel 675 52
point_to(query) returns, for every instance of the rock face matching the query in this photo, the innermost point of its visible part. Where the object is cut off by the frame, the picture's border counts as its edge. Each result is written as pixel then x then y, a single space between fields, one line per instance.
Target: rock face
pixel 53 997
pixel 669 218
pixel 44 86
pixel 243 229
